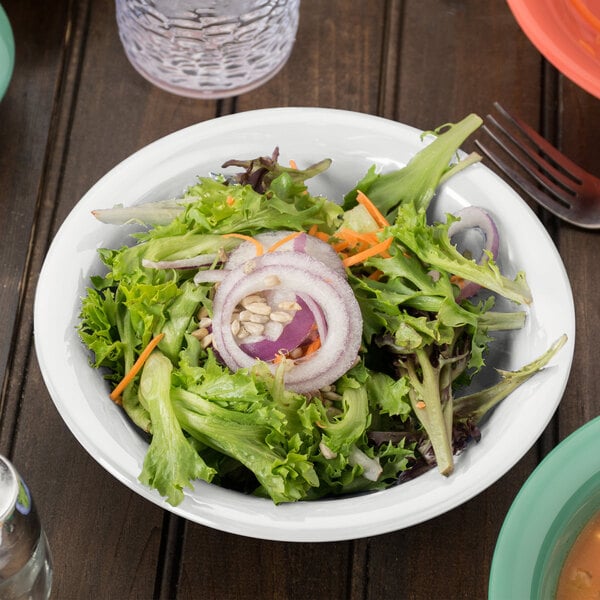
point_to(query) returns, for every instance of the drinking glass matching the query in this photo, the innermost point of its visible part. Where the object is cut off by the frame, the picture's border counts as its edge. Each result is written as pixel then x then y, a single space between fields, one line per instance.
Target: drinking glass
pixel 207 48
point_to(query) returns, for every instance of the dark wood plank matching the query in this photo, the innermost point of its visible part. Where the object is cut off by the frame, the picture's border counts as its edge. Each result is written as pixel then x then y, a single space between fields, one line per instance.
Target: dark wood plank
pixel 25 120
pixel 76 108
pixel 578 117
pixel 336 61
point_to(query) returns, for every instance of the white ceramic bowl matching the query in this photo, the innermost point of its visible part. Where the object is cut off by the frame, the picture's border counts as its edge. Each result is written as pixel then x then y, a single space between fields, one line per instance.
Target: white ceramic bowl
pixel 354 142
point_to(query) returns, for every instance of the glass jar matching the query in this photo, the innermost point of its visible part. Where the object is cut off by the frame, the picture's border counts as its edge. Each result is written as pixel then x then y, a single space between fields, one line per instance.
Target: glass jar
pixel 25 560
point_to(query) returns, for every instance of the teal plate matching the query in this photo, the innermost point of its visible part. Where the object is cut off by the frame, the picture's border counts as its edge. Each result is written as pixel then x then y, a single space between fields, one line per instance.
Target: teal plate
pixel 553 506
pixel 7 52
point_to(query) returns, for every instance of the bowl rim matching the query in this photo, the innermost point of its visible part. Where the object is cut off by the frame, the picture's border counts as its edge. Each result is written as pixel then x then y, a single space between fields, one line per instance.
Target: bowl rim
pixel 295 522
pixel 568 473
pixel 7 53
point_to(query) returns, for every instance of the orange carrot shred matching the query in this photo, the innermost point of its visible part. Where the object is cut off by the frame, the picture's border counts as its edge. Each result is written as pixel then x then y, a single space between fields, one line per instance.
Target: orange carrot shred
pixel 313 347
pixel 373 210
pixel 376 275
pixel 293 164
pixel 283 241
pixel 372 251
pixel 340 246
pixel 259 247
pixel 137 365
pixel 230 200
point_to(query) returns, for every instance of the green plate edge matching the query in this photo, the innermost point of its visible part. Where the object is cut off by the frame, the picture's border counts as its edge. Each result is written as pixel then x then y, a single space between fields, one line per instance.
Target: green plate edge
pixel 7 52
pixel 555 502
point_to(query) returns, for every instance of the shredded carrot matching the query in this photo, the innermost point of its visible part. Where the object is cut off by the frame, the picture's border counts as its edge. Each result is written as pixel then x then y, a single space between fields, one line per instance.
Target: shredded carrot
pixel 322 236
pixel 278 358
pixel 421 404
pixel 283 241
pixel 137 365
pixel 312 347
pixel 314 231
pixel 372 251
pixel 362 198
pixel 293 164
pixel 230 200
pixel 362 241
pixel 376 275
pixel 341 246
pixel 259 247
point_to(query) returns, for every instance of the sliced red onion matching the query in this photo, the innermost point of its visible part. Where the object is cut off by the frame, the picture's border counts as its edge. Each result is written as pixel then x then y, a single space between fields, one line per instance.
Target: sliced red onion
pixel 371 467
pixel 316 284
pixel 182 263
pixel 474 217
pixel 210 276
pixel 302 243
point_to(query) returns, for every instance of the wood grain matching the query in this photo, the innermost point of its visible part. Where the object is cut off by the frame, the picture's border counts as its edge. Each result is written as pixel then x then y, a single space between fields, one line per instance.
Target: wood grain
pixel 76 108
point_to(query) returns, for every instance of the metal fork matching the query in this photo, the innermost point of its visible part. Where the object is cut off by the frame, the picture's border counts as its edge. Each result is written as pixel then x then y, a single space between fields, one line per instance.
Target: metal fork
pixel 555 182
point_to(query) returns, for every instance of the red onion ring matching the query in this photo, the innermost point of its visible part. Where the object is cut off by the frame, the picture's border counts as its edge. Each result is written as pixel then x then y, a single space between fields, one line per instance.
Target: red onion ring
pixel 340 329
pixel 474 217
pixel 302 243
pixel 210 276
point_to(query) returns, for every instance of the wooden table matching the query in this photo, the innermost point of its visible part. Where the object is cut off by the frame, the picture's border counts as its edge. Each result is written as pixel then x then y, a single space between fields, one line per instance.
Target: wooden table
pixel 75 108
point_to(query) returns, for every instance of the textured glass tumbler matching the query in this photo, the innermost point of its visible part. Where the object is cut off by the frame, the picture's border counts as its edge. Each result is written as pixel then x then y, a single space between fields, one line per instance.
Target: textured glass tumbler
pixel 208 49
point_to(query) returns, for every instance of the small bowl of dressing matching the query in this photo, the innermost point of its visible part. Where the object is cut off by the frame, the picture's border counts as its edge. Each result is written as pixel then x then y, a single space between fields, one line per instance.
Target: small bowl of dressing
pixel 549 545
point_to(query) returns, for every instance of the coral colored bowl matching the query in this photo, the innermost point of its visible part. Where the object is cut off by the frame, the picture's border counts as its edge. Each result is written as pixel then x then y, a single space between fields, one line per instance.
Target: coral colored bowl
pixel 567 33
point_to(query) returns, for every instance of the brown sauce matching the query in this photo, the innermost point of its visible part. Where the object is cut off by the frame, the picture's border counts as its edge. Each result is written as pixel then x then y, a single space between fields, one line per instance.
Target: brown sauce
pixel 580 576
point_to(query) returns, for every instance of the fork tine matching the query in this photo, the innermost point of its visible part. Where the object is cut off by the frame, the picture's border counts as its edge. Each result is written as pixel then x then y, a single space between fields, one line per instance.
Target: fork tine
pixel 548 202
pixel 564 181
pixel 566 164
pixel 562 192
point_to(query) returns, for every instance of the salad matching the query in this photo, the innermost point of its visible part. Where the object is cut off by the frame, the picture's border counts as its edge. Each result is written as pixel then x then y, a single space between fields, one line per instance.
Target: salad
pixel 294 346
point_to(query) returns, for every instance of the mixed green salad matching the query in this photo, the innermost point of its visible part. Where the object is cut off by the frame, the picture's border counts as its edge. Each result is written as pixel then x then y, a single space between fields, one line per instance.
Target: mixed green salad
pixel 294 346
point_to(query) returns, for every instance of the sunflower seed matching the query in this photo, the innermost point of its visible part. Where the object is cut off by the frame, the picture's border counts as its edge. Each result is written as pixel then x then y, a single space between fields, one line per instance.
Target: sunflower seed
pixel 271 281
pixel 242 333
pixel 200 333
pixel 251 299
pixel 248 315
pixel 280 316
pixel 235 326
pixel 207 340
pixel 289 305
pixel 259 308
pixel 254 328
